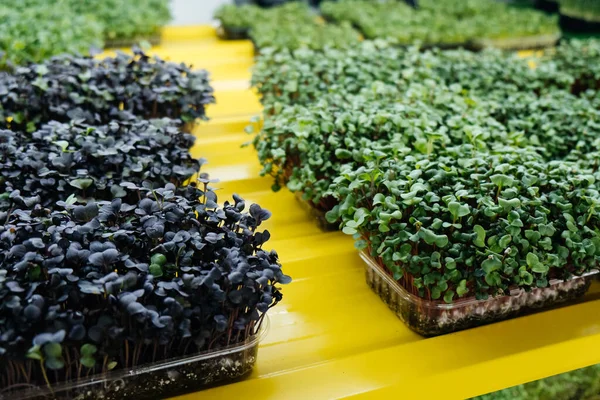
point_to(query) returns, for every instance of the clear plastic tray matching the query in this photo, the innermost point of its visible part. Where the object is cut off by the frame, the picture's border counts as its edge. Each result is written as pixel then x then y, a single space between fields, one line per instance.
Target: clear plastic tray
pixel 154 40
pixel 230 33
pixel 518 43
pixel 318 215
pixel 433 318
pixel 582 15
pixel 188 127
pixel 159 380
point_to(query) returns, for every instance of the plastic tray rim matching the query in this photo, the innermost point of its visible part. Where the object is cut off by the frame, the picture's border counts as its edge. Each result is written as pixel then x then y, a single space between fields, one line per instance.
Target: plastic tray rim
pixel 41 391
pixel 436 304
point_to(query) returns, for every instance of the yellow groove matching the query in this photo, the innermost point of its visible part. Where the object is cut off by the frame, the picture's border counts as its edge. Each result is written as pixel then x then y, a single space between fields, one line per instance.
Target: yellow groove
pixel 331 337
pixel 232 103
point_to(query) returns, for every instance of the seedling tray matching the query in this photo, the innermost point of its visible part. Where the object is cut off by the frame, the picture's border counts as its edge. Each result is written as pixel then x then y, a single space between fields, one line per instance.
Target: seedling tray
pixel 433 318
pixel 518 43
pixel 444 45
pixel 231 33
pixel 438 45
pixel 159 380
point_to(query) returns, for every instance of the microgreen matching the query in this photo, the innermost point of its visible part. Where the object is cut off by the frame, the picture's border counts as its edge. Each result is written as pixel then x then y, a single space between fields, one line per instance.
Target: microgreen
pixel 324 110
pixel 288 26
pixel 479 227
pixel 97 91
pixel 447 23
pixel 32 33
pixel 125 21
pixel 34 30
pixel 113 284
pixel 232 16
pixel 587 10
pixel 91 162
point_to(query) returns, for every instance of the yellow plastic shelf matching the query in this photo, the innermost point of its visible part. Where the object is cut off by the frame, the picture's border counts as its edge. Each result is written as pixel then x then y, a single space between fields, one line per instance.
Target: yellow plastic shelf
pixel 331 337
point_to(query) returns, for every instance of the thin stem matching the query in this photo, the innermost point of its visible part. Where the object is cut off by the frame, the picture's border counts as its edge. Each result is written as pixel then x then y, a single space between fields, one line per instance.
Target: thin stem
pixel 68 368
pixel 133 357
pixel 12 207
pixel 185 349
pixel 139 352
pixel 22 368
pixel 260 321
pixel 29 368
pixel 46 376
pixel 104 363
pixel 10 373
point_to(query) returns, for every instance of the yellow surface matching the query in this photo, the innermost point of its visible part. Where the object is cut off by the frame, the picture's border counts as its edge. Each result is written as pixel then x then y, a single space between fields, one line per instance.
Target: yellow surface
pixel 331 337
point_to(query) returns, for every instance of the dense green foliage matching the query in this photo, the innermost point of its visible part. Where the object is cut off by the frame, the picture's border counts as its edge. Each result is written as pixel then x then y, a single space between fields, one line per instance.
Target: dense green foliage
pixel 34 30
pixel 126 20
pixel 323 110
pixel 303 75
pixel 304 147
pixel 579 59
pixel 315 35
pixel 463 223
pixel 238 17
pixel 290 26
pixel 450 22
pixel 32 34
pixel 465 174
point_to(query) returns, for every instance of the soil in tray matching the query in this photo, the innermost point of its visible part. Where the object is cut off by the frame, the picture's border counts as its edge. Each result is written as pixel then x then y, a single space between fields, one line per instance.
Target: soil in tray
pixel 150 383
pixel 428 327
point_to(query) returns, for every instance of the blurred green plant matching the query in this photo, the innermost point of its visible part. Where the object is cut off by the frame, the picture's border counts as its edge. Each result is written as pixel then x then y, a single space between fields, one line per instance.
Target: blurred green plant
pixel 126 20
pixel 449 22
pixel 290 26
pixel 238 17
pixel 580 384
pixel 588 10
pixel 32 34
pixel 34 30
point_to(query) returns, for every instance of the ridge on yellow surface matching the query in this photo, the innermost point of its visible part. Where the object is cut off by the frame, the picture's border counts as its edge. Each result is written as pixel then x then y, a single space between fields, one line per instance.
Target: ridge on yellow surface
pixel 331 337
